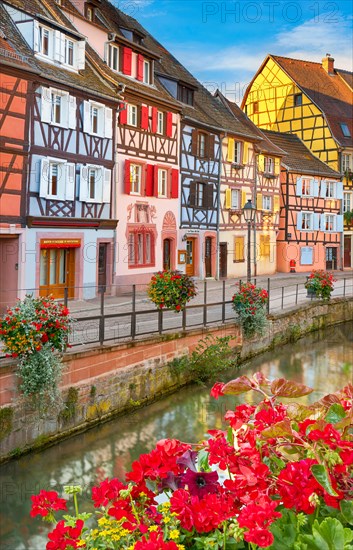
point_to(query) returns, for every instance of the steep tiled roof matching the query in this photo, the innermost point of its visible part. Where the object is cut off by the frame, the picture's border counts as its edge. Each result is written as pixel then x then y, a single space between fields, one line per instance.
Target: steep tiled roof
pixel 206 110
pixel 347 77
pixel 13 50
pixel 329 92
pixel 86 79
pixel 264 144
pixel 299 158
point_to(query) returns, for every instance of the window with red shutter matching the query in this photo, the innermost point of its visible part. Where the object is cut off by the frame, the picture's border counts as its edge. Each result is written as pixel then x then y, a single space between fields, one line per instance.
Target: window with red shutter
pixel 127 60
pixel 140 67
pixel 127 177
pixel 123 114
pixel 149 180
pixel 175 184
pixel 144 117
pixel 154 119
pixel 169 124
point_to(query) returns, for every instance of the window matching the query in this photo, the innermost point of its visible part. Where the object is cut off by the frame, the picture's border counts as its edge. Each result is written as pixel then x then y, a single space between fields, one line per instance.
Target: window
pixel 306 187
pixel 237 152
pixel 255 107
pixel 345 130
pixel 53 182
pixel 140 248
pixel 89 13
pixel 201 145
pixel 146 71
pixel 132 115
pixel 45 40
pixel 235 201
pixel 239 249
pixel 113 57
pixel 306 255
pixel 160 123
pixel 94 119
pixel 329 222
pixel 58 107
pixel 57 179
pixel 347 202
pixel 298 100
pixel 346 162
pixel 135 179
pixel 200 194
pixel 266 202
pixel 307 221
pixel 69 52
pixel 330 190
pixel 265 246
pixel 269 165
pixel 92 183
pixel 185 95
pixel 162 182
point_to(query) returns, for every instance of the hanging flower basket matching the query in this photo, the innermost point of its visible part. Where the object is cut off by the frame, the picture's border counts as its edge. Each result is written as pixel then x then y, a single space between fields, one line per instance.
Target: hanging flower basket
pixel 320 284
pixel 171 290
pixel 36 332
pixel 249 303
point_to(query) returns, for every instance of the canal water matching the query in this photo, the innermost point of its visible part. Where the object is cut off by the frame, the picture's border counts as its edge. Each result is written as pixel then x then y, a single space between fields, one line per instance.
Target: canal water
pixel 322 360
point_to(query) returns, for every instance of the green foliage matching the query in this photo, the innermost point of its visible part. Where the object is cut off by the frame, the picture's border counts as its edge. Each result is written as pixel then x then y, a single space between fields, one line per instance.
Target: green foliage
pixel 212 356
pixel 93 392
pixel 69 410
pixel 348 217
pixel 6 418
pixel 327 535
pixel 249 304
pixel 171 290
pixel 320 284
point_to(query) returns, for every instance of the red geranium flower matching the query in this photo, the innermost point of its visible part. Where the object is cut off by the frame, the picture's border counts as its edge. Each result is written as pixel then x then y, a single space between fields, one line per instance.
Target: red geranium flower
pixel 65 537
pixel 46 502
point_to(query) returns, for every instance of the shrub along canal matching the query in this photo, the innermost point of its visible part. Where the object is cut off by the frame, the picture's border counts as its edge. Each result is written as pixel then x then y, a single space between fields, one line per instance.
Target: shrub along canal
pixel 322 360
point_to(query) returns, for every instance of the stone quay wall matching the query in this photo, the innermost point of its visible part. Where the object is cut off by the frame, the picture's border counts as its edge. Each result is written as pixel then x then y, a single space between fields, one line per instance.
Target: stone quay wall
pixel 105 382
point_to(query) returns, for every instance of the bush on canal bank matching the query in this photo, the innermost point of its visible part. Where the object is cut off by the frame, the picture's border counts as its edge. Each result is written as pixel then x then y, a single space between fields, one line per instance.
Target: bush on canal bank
pixel 280 476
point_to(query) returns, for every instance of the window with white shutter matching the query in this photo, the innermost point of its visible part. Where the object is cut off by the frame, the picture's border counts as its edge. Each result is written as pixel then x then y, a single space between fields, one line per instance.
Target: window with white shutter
pixel 97 119
pixel 95 184
pixel 58 108
pixel 70 181
pixel 54 179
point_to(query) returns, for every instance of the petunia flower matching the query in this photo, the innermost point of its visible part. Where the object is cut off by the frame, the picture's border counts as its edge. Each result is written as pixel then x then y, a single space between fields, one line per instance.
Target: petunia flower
pixel 200 483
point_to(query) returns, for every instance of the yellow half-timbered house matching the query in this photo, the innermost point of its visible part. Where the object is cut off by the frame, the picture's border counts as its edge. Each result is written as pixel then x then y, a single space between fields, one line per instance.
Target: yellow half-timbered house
pixel 315 102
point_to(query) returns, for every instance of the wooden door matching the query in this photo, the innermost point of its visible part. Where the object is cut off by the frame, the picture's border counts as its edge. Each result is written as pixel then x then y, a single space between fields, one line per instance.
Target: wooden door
pixel 331 257
pixel 166 253
pixel 223 258
pixel 102 267
pixel 347 257
pixel 57 271
pixel 208 257
pixel 8 272
pixel 190 267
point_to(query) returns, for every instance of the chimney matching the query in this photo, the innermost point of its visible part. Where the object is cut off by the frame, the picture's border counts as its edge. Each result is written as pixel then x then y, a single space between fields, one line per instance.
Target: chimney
pixel 327 64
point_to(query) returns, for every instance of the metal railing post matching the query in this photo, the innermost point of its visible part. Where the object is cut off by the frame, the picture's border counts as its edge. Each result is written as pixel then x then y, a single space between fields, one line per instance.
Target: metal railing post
pixel 160 321
pixel 66 296
pixel 133 313
pixel 101 319
pixel 205 303
pixel 183 319
pixel 296 294
pixel 269 294
pixel 282 297
pixel 223 301
pixel 344 287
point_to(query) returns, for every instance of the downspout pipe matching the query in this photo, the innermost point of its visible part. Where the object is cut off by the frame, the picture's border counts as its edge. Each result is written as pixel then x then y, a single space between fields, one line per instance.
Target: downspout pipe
pixel 255 203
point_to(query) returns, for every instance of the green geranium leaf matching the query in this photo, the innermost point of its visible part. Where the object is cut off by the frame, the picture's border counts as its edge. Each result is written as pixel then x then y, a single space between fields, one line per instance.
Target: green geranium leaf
pixel 335 413
pixel 284 530
pixel 281 429
pixel 321 475
pixel 329 535
pixel 346 507
pixel 202 460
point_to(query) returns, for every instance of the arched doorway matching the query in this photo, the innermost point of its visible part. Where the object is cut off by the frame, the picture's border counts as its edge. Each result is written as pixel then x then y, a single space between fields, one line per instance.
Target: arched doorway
pixel 169 239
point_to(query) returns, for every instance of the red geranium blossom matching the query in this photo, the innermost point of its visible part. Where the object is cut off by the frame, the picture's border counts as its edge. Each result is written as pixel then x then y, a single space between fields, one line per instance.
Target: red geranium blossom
pixel 65 537
pixel 155 542
pixel 46 502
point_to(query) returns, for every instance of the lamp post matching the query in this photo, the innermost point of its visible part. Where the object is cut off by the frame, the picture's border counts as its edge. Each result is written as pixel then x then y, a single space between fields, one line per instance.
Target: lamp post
pixel 249 211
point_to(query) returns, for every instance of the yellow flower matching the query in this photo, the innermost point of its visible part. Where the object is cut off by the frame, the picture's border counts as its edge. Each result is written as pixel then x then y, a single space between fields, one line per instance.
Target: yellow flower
pixel 153 528
pixel 174 534
pixel 166 519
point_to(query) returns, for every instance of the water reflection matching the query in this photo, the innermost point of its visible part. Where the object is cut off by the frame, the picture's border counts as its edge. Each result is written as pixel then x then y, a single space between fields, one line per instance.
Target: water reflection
pixel 320 360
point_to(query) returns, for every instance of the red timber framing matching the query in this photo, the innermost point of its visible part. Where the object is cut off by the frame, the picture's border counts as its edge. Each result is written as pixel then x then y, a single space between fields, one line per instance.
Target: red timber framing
pixel 14 106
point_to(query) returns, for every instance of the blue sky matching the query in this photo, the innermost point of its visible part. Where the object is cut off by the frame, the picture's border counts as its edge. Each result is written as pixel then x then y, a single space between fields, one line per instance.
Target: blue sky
pixel 223 43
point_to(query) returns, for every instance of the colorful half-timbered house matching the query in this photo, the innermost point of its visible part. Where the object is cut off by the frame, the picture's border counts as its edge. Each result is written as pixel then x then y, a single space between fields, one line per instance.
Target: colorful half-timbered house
pixel 311 222
pixel 68 202
pixel 250 170
pixel 315 102
pixel 16 78
pixel 147 141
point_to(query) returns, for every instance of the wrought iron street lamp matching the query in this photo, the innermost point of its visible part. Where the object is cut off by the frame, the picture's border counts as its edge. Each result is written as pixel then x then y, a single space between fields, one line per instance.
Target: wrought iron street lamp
pixel 249 212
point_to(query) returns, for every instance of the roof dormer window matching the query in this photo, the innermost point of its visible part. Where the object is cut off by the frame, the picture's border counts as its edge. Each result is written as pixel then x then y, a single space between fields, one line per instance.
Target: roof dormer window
pixel 56 46
pixel 345 130
pixel 185 94
pixel 89 13
pixel 45 40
